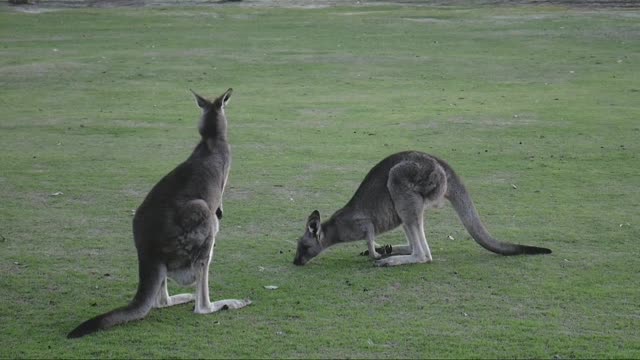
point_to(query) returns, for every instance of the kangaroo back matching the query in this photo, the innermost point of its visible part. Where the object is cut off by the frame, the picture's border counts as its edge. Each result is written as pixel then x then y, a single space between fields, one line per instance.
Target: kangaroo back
pixel 461 201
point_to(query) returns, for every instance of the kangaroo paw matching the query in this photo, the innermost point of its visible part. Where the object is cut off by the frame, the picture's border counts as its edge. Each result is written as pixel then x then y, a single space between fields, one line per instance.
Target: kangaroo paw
pixel 382 250
pixel 375 256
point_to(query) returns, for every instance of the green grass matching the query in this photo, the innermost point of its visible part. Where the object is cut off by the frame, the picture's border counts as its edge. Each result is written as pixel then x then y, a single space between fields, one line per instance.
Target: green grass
pixel 95 104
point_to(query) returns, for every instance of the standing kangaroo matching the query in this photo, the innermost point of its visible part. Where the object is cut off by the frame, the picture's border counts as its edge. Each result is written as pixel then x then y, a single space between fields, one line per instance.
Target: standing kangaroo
pixel 396 192
pixel 175 228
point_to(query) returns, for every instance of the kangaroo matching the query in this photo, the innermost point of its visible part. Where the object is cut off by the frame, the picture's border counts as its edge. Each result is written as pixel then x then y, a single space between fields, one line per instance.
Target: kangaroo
pixel 175 228
pixel 396 192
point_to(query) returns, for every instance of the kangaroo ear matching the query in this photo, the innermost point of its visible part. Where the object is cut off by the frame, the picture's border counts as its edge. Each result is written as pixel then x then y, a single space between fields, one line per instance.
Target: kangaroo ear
pixel 224 98
pixel 202 102
pixel 313 223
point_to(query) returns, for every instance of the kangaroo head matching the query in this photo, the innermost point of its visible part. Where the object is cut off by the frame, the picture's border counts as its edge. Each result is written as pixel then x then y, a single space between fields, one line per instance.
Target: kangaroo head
pixel 309 245
pixel 213 122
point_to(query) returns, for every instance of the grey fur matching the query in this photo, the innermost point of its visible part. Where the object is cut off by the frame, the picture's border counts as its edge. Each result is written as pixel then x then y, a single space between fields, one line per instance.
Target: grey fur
pixel 175 227
pixel 396 192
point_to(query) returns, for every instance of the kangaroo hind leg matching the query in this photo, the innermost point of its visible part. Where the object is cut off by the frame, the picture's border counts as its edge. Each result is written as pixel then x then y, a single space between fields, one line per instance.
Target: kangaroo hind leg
pixel 164 300
pixel 203 303
pixel 408 248
pixel 409 184
pixel 417 254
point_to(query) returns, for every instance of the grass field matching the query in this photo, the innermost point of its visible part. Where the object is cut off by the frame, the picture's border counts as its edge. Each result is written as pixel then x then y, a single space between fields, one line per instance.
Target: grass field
pixel 536 107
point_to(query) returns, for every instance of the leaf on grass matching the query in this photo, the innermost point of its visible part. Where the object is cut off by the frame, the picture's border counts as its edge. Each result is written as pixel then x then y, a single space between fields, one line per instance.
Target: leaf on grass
pixel 57 193
pixel 370 342
pixel 450 237
pixel 270 287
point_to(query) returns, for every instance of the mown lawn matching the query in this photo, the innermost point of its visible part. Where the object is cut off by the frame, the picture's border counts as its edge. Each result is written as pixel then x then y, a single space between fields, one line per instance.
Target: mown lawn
pixel 536 107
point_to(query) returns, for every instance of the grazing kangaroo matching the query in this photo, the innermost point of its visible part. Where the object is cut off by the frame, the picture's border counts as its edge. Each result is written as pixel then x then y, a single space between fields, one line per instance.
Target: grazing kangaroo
pixel 396 192
pixel 175 228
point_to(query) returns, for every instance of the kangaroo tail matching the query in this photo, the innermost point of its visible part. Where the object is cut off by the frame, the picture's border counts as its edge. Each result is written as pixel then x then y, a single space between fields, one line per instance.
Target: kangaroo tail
pixel 150 281
pixel 462 203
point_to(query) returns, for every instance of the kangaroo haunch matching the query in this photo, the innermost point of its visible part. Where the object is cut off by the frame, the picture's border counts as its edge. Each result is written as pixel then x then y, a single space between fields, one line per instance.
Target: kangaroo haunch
pixel 175 228
pixel 396 192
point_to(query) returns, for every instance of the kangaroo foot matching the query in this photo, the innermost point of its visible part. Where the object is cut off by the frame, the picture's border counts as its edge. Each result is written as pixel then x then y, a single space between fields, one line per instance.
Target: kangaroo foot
pixel 174 300
pixel 401 260
pixel 229 304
